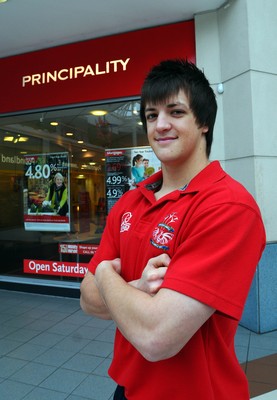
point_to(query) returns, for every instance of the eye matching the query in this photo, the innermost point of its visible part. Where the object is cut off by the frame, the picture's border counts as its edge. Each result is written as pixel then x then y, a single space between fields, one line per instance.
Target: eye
pixel 178 112
pixel 151 116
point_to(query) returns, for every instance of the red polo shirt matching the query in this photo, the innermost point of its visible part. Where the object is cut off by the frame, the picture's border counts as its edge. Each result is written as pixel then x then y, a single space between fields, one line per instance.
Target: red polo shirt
pixel 213 232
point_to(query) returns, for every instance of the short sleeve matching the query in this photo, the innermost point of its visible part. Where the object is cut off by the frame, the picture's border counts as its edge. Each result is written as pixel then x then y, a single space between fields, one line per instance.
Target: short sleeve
pixel 109 247
pixel 217 256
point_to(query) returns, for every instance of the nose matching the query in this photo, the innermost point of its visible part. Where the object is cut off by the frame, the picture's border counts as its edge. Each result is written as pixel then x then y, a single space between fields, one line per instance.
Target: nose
pixel 163 123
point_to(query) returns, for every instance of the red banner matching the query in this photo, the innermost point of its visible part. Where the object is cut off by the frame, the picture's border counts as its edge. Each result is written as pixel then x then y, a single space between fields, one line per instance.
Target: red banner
pixel 104 68
pixel 46 219
pixel 58 268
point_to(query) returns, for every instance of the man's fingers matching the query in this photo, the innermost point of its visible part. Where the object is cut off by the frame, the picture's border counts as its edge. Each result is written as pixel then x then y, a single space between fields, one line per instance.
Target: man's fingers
pixel 162 260
pixel 157 273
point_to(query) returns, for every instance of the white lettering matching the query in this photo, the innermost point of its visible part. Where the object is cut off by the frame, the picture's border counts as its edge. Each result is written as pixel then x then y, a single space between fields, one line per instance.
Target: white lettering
pixel 122 62
pixel 125 63
pixel 36 79
pixel 97 71
pixel 114 65
pixel 61 76
pixel 69 269
pixel 80 71
pixel 37 268
pixel 52 77
pixel 88 71
pixel 26 79
pixel 12 160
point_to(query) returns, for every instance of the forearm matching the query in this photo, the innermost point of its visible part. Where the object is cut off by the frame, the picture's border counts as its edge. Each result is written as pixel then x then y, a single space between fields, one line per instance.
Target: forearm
pixel 157 326
pixel 90 300
pixel 127 306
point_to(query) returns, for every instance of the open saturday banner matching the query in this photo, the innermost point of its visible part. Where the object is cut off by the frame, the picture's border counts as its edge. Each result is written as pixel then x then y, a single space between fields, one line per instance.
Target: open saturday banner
pixel 46 192
pixel 62 268
pixel 125 168
pixel 59 268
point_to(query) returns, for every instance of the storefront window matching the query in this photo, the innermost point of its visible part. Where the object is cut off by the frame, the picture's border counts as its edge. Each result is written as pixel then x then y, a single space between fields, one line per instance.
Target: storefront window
pixel 74 140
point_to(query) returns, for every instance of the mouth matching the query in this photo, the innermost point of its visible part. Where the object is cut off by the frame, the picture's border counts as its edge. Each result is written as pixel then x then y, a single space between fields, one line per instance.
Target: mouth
pixel 165 139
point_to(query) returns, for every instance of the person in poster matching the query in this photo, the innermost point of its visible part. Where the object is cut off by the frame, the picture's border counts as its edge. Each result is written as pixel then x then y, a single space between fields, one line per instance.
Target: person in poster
pixel 57 195
pixel 138 169
pixel 148 170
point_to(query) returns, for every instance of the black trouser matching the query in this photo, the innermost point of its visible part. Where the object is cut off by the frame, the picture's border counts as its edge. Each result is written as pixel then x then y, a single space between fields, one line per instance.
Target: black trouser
pixel 119 393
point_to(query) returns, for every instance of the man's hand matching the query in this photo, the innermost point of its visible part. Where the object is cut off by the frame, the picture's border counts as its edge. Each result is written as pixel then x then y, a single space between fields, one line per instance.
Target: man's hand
pixel 153 274
pixel 108 264
pixel 114 264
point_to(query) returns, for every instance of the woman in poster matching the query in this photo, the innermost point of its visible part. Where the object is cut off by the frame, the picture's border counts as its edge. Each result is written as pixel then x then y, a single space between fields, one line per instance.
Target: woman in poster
pixel 138 168
pixel 57 195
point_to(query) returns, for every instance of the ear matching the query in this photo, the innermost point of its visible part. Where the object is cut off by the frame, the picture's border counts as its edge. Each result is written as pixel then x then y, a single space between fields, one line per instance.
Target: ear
pixel 205 129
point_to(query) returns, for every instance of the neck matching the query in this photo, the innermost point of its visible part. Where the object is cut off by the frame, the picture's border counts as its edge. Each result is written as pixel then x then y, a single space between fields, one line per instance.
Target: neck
pixel 175 178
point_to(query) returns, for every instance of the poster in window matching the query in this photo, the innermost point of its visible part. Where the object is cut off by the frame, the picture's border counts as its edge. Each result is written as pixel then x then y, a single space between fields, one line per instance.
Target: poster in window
pixel 46 192
pixel 127 167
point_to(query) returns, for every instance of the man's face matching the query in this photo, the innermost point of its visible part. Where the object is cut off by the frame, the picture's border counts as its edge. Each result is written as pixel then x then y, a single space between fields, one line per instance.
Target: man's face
pixel 173 132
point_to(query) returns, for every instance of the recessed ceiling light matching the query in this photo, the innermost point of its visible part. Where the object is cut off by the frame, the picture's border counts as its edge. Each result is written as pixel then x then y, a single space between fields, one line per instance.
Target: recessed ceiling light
pixel 69 133
pixel 98 113
pixel 54 123
pixel 80 141
pixel 8 138
pixel 84 150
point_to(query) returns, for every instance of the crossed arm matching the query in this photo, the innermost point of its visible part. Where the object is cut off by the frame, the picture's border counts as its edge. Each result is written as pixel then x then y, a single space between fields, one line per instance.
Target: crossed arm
pixel 158 323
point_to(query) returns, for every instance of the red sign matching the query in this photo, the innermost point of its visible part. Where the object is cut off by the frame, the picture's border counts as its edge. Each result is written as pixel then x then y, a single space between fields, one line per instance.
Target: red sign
pixel 105 68
pixel 52 219
pixel 58 268
pixel 83 249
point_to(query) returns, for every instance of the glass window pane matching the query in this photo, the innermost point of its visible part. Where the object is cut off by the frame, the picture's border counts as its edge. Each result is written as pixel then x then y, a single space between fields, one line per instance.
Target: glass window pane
pixel 82 132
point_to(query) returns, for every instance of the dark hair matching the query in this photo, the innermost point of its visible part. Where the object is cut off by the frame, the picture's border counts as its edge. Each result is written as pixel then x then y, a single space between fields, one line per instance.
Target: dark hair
pixel 171 76
pixel 136 158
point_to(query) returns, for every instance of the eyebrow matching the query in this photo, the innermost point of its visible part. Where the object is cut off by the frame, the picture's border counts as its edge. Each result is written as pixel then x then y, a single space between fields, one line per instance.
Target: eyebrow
pixel 170 105
pixel 177 103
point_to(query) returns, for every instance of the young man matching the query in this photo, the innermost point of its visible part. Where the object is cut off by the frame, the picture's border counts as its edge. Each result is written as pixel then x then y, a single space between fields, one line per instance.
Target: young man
pixel 178 255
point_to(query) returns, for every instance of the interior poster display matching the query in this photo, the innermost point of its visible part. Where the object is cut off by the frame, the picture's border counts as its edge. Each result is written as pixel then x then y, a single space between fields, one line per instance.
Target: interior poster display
pixel 125 168
pixel 46 192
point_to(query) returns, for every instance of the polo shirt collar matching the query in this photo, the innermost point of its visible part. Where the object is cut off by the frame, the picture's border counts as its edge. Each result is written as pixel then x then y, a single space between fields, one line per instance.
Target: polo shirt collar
pixel 209 175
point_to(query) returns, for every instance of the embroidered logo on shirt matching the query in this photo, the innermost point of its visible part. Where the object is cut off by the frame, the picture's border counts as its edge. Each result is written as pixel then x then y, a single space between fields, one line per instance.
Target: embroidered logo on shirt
pixel 164 232
pixel 125 224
